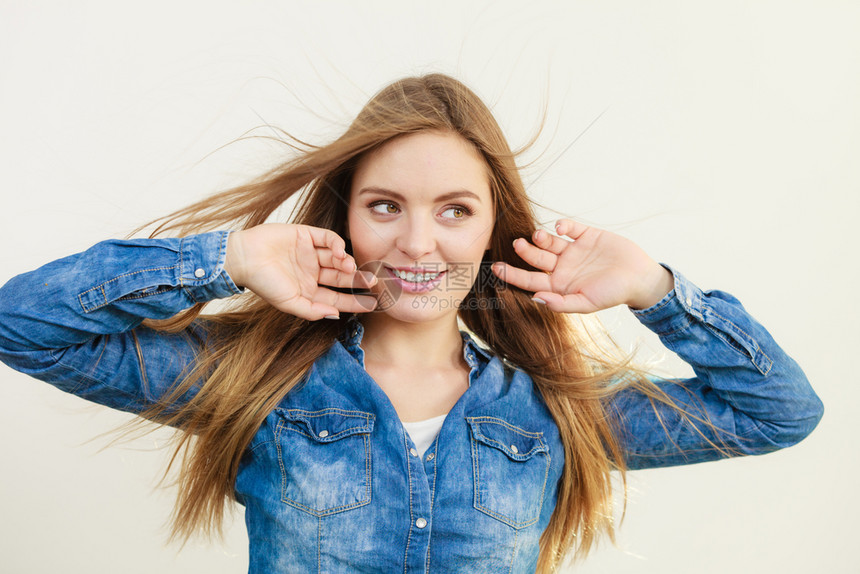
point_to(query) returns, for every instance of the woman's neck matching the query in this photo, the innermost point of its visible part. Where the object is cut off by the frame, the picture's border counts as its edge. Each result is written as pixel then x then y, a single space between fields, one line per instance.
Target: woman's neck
pixel 411 345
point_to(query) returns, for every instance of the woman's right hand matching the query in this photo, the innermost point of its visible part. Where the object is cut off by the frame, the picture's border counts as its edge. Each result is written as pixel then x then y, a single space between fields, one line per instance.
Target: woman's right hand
pixel 288 265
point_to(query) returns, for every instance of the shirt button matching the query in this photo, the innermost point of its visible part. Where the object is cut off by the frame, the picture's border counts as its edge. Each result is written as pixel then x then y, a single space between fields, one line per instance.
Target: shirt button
pixel 689 302
pixel 420 523
pixel 430 457
pixel 514 449
pixel 323 433
pixel 199 272
pixel 413 452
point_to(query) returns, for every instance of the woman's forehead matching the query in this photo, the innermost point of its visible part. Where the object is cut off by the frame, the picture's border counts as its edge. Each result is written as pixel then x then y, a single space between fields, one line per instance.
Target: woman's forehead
pixel 424 164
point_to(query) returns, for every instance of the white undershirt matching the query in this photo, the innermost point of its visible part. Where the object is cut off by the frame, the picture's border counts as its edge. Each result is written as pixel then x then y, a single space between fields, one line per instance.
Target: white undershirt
pixel 423 433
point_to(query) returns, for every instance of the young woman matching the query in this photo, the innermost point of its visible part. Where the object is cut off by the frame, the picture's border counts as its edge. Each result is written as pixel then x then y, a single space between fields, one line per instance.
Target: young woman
pixel 338 400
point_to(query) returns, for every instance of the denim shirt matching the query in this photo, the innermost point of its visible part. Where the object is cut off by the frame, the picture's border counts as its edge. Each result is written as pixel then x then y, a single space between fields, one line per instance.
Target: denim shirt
pixel 331 481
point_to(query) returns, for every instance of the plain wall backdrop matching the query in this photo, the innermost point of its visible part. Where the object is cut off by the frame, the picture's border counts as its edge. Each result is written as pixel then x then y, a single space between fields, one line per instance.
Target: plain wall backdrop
pixel 722 137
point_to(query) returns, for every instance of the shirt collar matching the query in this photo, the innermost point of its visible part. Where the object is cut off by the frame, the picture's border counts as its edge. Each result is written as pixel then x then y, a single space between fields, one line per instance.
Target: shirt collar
pixel 475 355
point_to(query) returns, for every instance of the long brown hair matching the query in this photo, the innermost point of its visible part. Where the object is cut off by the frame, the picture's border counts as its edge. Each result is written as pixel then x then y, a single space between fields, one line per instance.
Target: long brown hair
pixel 255 354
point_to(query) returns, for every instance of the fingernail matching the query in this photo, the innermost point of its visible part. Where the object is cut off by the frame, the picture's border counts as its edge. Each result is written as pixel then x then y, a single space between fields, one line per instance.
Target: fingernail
pixel 538 300
pixel 335 317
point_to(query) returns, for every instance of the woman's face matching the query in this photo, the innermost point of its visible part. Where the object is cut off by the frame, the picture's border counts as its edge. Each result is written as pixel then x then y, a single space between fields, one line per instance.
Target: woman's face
pixel 421 216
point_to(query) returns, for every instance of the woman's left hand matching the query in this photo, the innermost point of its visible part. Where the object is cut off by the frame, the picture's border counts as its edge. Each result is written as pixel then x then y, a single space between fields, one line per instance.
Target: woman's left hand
pixel 595 271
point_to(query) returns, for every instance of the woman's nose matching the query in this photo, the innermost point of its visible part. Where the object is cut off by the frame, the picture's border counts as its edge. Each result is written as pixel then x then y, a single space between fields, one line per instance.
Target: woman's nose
pixel 417 238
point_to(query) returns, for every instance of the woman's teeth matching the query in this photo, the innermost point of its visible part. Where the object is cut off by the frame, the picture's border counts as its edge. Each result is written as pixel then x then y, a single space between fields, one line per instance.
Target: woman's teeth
pixel 415 277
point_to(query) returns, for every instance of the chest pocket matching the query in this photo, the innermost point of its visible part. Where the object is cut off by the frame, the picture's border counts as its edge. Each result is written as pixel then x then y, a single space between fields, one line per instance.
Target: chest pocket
pixel 325 459
pixel 510 467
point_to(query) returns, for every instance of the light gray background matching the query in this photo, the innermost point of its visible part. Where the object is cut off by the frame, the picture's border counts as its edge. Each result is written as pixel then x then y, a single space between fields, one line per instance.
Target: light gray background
pixel 728 146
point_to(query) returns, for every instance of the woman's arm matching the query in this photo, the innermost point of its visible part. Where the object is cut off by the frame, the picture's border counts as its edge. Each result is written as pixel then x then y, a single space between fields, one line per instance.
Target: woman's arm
pixel 76 322
pixel 745 385
pixel 753 397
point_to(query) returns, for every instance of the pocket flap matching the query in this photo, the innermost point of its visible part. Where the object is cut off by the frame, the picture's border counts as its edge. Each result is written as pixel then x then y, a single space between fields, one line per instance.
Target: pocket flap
pixel 327 425
pixel 518 444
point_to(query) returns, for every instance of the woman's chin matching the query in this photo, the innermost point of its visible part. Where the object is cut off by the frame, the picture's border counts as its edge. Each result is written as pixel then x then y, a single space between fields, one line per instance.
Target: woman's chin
pixel 421 307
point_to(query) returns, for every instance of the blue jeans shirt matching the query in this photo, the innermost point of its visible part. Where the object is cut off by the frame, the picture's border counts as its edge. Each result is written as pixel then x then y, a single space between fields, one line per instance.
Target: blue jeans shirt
pixel 330 482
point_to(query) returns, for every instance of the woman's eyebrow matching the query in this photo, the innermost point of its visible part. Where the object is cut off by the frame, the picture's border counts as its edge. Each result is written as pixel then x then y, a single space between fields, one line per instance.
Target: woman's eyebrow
pixel 444 197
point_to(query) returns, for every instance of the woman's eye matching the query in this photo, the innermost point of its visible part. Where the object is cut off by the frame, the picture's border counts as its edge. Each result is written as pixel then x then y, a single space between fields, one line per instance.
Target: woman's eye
pixel 456 212
pixel 384 208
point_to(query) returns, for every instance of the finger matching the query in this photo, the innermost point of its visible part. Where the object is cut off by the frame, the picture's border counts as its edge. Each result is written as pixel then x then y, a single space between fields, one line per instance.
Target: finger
pixel 327 238
pixel 535 256
pixel 571 303
pixel 346 302
pixel 528 280
pixel 549 242
pixel 341 301
pixel 327 304
pixel 358 304
pixel 327 258
pixel 570 228
pixel 354 280
pixel 304 308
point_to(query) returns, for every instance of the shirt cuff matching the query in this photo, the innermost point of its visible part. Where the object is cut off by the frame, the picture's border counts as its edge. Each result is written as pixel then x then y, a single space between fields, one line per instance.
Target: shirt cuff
pixel 201 267
pixel 687 309
pixel 671 312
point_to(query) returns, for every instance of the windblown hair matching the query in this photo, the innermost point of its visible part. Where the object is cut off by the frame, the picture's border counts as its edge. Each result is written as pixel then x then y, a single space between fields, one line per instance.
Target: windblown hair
pixel 254 354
